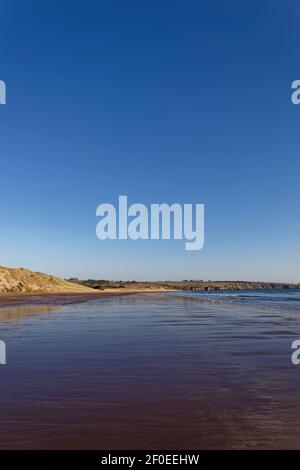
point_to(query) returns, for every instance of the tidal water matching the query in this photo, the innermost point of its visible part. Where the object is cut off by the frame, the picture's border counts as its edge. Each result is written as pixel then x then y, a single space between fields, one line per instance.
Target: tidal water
pixel 152 371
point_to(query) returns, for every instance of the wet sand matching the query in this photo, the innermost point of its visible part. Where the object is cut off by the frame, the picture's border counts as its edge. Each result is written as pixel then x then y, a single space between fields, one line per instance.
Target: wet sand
pixel 7 300
pixel 149 372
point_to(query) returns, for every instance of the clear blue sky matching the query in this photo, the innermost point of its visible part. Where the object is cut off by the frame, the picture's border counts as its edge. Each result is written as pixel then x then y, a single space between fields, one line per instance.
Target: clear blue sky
pixel 165 101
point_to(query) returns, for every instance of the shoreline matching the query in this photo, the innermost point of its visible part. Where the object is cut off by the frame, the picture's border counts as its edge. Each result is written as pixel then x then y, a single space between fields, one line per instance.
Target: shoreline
pixel 65 298
pixel 59 298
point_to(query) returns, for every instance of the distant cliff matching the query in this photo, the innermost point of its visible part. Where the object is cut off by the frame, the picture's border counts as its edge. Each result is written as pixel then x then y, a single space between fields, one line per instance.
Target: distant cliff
pixel 235 285
pixel 184 285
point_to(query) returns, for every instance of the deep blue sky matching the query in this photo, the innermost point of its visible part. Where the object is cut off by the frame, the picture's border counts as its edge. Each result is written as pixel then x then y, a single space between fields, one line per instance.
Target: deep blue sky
pixel 165 101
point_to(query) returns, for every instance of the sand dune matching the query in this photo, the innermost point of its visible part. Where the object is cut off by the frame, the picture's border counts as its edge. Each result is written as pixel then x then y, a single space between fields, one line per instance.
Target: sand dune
pixel 24 281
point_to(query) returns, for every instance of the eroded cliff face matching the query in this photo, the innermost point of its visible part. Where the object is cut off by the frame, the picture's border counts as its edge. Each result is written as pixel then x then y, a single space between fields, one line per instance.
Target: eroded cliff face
pixel 24 281
pixel 236 285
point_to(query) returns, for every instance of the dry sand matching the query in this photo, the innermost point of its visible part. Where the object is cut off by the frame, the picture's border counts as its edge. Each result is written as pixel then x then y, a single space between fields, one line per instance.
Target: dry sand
pixel 22 280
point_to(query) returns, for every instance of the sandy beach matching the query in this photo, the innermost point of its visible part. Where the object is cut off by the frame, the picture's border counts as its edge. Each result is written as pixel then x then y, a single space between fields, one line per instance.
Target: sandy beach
pixel 57 299
pixel 159 371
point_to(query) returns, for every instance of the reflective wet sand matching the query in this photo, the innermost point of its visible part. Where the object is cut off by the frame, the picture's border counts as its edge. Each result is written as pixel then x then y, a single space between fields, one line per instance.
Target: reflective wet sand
pixel 149 371
pixel 7 300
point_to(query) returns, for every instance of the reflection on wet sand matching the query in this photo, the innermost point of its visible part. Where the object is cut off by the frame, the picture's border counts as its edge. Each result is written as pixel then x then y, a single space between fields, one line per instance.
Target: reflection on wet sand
pixel 12 314
pixel 47 299
pixel 150 371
